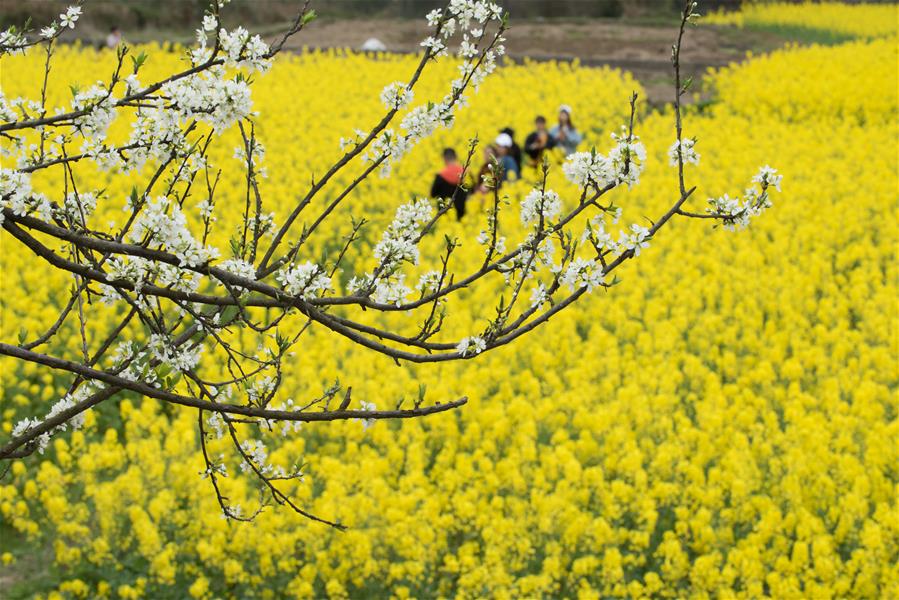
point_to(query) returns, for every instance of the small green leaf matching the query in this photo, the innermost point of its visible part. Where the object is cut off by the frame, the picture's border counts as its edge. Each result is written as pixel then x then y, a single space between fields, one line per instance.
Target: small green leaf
pixel 138 61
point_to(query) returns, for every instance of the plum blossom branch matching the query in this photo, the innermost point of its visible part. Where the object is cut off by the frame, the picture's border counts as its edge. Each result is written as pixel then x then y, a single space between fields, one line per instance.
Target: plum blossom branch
pixel 180 297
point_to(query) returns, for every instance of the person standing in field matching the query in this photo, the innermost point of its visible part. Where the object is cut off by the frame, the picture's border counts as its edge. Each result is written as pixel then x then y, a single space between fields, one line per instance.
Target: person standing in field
pixel 486 180
pixel 114 37
pixel 448 182
pixel 510 168
pixel 515 150
pixel 538 140
pixel 565 134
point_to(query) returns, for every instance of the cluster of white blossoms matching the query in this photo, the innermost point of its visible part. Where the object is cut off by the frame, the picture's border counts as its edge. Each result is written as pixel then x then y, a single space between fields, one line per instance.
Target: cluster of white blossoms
pixel 14 41
pixel 99 106
pixel 540 206
pixel 636 240
pixel 68 401
pixel 767 177
pixel 583 273
pixel 16 194
pixel 738 212
pixel 254 160
pixel 396 96
pixel 285 427
pixel 627 159
pixel 130 361
pixel 398 244
pixel 539 296
pixel 161 221
pixel 471 346
pixel 261 390
pixel 536 253
pixel 304 281
pixel 485 238
pixel 429 282
pixel 241 50
pixel 156 134
pixel 391 290
pixel 387 148
pixel 686 149
pixel 257 454
pixel 140 272
pixel 399 241
pixel 181 359
pixel 239 267
pixel 471 18
pixel 595 231
pixel 70 17
pixel 623 164
pixel 80 206
pixel 210 98
pixel 7 113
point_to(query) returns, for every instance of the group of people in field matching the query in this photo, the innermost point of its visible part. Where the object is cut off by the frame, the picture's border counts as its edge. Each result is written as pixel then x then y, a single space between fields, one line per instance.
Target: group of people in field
pixel 504 159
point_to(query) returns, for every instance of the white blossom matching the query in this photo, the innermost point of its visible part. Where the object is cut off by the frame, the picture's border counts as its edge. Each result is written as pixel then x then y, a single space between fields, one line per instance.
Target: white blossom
pixel 636 240
pixel 391 290
pixel 239 267
pixel 736 213
pixel 586 169
pixel 539 296
pixel 163 222
pixel 627 158
pixel 471 346
pixel 396 96
pixel 369 407
pixel 538 204
pixel 583 273
pixel 767 176
pixel 596 232
pixel 210 98
pixel 257 454
pixel 70 17
pixel 304 281
pixel 687 151
pixel 183 358
pixel 429 282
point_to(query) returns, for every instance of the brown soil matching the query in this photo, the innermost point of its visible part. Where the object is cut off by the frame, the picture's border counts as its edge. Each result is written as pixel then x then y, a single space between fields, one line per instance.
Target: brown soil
pixel 644 50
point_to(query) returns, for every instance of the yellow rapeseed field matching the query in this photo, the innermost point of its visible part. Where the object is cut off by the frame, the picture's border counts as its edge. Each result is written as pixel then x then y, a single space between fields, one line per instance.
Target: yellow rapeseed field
pixel 836 18
pixel 722 424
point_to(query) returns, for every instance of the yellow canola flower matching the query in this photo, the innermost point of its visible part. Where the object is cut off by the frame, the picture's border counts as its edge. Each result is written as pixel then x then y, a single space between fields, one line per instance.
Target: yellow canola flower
pixel 721 424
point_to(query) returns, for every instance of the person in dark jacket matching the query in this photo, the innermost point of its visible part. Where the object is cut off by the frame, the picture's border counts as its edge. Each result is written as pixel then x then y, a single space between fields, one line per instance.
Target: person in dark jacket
pixel 448 182
pixel 539 140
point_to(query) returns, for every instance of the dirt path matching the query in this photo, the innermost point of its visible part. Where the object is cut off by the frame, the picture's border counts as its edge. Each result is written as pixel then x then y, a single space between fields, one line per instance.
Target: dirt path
pixel 644 50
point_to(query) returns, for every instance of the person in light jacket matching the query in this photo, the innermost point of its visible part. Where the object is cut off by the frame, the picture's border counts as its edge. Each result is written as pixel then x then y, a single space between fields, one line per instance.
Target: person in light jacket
pixel 565 134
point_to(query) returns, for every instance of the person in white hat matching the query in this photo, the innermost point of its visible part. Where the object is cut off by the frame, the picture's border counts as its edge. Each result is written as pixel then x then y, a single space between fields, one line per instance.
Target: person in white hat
pixel 565 134
pixel 511 170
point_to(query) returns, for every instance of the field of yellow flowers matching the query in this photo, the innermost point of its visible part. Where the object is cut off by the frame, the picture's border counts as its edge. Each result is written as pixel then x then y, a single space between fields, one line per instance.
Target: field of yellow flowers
pixel 722 424
pixel 833 19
